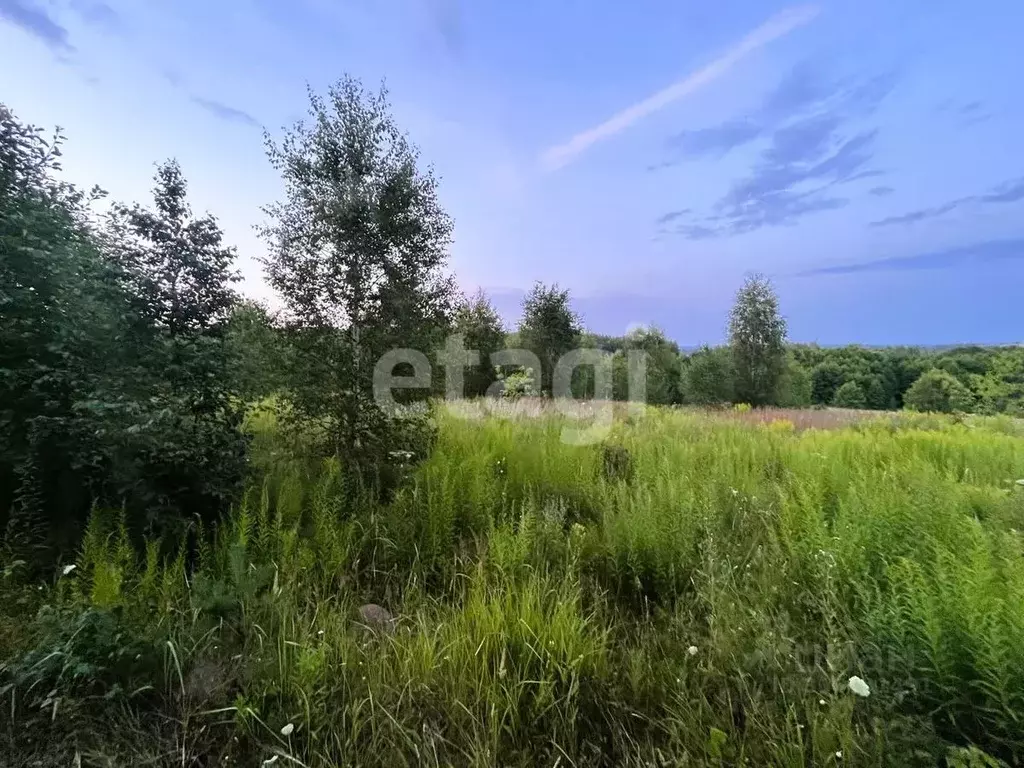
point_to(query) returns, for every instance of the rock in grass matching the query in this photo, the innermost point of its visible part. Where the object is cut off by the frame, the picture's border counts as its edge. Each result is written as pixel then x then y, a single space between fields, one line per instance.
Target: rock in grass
pixel 376 619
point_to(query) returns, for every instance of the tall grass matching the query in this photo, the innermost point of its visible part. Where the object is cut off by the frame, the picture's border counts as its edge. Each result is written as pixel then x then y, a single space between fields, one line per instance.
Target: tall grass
pixel 696 590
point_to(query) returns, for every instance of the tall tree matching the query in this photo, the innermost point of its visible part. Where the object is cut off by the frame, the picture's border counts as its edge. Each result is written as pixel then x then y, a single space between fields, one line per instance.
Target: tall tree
pixel 179 274
pixel 358 250
pixel 61 338
pixel 757 337
pixel 481 326
pixel 549 328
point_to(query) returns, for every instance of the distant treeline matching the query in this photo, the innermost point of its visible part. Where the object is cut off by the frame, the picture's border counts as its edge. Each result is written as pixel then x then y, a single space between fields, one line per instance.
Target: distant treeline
pixel 990 378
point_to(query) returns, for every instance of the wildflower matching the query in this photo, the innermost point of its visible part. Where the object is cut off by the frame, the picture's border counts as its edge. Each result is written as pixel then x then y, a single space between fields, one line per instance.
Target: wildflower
pixel 692 650
pixel 859 687
pixel 839 753
pixel 68 569
pixel 287 730
pixel 822 702
pixel 320 632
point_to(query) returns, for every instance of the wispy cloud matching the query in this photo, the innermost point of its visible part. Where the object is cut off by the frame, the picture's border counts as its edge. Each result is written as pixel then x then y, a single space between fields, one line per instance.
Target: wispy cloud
pixel 36 21
pixel 802 88
pixel 97 13
pixel 965 113
pixel 979 253
pixel 776 27
pixel 225 112
pixel 1010 191
pixel 809 153
pixel 882 191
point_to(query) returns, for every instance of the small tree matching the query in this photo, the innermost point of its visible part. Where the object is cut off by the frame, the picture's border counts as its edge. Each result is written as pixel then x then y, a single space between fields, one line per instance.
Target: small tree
pixel 757 337
pixel 258 355
pixel 549 328
pixel 794 385
pixel 518 384
pixel 850 395
pixel 826 379
pixel 709 378
pixel 178 273
pixel 481 326
pixel 875 396
pixel 938 391
pixel 358 251
pixel 663 367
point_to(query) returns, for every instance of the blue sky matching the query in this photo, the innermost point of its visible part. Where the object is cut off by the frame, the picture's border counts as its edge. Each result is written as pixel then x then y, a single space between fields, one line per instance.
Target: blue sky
pixel 866 155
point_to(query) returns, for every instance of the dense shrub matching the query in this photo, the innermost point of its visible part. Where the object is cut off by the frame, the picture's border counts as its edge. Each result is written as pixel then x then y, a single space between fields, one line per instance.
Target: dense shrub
pixel 939 392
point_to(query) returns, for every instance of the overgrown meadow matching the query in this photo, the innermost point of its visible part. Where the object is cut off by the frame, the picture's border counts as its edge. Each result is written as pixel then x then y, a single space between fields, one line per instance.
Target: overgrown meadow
pixel 697 589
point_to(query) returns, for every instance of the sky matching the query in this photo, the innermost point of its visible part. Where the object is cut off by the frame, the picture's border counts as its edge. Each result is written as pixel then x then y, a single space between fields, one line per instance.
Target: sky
pixel 866 155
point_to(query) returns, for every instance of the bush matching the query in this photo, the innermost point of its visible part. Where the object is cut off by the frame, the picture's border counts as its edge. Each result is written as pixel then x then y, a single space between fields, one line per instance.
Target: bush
pixel 939 392
pixel 520 383
pixel 850 395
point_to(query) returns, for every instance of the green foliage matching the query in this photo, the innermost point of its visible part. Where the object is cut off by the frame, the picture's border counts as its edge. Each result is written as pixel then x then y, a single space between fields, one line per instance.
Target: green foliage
pixel 358 250
pixel 939 392
pixel 662 364
pixel 757 337
pixel 694 586
pixel 176 268
pixel 697 588
pixel 795 386
pixel 112 373
pixel 992 375
pixel 479 323
pixel 850 395
pixel 258 354
pixel 178 274
pixel 519 383
pixel 826 379
pixel 709 377
pixel 549 328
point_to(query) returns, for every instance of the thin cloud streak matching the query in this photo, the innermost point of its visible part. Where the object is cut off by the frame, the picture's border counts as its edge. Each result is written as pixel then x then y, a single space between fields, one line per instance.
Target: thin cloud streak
pixel 979 253
pixel 36 21
pixel 776 27
pixel 225 112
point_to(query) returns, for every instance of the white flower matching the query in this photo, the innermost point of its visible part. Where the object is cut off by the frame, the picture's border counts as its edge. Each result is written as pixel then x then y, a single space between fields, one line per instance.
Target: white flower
pixel 287 730
pixel 320 632
pixel 692 650
pixel 859 687
pixel 822 702
pixel 68 569
pixel 839 753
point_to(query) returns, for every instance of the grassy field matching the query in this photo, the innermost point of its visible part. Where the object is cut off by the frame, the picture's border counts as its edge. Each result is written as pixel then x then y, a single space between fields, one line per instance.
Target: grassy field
pixel 697 589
